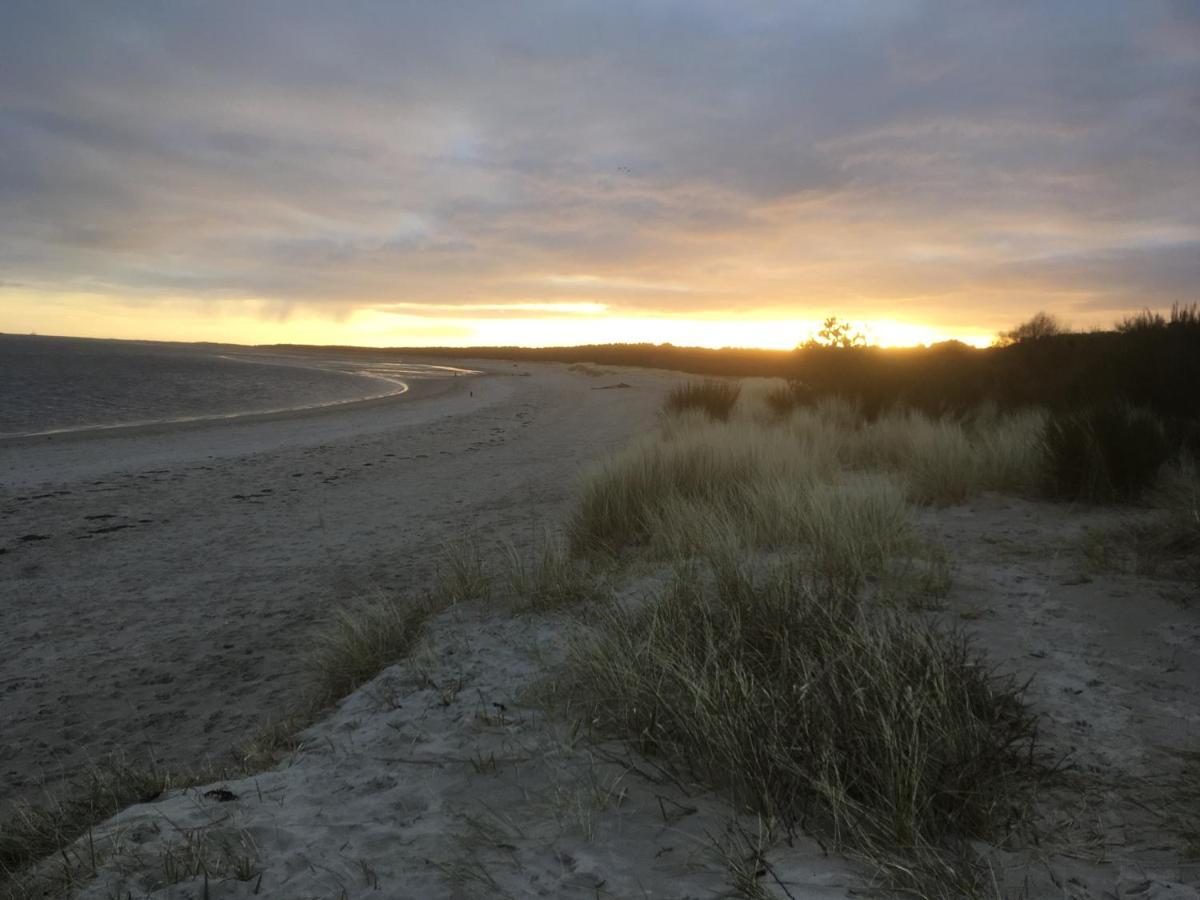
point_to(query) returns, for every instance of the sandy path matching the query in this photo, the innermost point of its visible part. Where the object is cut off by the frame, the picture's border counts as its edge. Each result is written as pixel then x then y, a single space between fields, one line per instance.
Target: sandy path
pixel 157 590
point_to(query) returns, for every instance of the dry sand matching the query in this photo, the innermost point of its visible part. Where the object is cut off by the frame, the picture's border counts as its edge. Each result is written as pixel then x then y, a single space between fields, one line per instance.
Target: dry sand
pixel 438 779
pixel 158 586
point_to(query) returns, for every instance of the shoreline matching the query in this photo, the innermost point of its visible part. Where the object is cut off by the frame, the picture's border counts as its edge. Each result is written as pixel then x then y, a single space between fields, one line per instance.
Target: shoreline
pixel 159 425
pixel 32 459
pixel 403 388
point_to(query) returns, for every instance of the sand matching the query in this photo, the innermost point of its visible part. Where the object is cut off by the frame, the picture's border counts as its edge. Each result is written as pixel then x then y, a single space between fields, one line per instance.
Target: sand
pixel 158 586
pixel 440 778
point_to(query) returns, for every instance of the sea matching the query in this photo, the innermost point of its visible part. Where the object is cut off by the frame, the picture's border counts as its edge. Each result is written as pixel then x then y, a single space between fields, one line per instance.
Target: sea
pixel 52 385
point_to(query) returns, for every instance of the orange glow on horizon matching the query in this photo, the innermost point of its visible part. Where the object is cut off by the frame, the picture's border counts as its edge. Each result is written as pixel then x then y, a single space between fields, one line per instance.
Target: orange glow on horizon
pixel 526 325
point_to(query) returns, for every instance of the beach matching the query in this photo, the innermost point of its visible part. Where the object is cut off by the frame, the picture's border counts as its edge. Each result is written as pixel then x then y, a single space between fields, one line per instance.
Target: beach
pixel 161 585
pixel 164 590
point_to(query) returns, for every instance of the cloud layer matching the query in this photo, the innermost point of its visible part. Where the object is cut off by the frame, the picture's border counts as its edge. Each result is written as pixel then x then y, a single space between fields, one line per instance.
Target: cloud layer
pixel 925 161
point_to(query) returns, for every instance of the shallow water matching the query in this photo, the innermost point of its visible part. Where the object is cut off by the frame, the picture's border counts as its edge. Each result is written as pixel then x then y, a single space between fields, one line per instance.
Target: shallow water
pixel 65 384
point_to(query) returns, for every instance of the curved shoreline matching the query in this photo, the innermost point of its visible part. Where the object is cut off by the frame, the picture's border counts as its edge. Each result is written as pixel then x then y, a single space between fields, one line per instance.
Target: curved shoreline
pixel 413 390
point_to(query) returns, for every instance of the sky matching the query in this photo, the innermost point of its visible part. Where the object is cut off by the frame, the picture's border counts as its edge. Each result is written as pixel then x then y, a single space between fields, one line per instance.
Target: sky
pixel 710 173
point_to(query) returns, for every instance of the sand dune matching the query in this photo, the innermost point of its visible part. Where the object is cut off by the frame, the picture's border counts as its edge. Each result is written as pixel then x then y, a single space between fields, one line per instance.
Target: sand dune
pixel 168 603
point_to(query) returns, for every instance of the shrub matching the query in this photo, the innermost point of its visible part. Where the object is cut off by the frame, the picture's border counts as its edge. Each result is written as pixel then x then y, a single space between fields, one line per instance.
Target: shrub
pixel 715 398
pixel 1105 454
pixel 880 730
pixel 1040 326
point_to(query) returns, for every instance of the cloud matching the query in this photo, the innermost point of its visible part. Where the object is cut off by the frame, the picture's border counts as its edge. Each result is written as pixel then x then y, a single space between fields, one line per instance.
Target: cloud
pixel 680 157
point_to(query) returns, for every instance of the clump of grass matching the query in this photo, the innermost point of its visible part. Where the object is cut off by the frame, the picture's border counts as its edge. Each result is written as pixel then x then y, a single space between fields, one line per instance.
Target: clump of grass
pixel 1010 455
pixel 31 832
pixel 1104 454
pixel 854 528
pixel 781 399
pixel 1178 495
pixel 363 642
pixel 888 734
pixel 549 578
pixel 462 575
pixel 942 460
pixel 691 461
pixel 671 491
pixel 209 853
pixel 1165 542
pixel 715 398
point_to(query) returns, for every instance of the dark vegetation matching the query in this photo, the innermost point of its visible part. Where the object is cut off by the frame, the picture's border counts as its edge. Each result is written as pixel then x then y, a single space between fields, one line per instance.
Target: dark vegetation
pixel 1149 360
pixel 1122 402
pixel 715 398
pixel 1110 453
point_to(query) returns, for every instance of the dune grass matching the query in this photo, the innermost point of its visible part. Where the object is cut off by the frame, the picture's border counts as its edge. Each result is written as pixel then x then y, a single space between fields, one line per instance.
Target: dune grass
pixel 1164 541
pixel 549 577
pixel 715 398
pixel 1178 494
pixel 462 575
pixel 781 481
pixel 886 734
pixel 31 832
pixel 363 641
pixel 940 460
pixel 623 497
pixel 776 667
pixel 1105 454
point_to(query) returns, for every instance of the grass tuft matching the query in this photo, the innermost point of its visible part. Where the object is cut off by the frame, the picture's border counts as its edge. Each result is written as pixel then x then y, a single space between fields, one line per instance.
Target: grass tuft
pixel 31 832
pixel 1105 454
pixel 363 642
pixel 715 398
pixel 462 575
pixel 549 578
pixel 885 733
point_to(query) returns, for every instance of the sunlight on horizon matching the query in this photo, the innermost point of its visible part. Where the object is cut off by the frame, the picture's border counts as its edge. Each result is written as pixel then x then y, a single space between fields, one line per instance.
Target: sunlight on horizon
pixel 481 324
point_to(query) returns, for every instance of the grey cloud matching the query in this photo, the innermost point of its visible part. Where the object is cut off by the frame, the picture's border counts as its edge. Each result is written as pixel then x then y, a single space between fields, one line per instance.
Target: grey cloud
pixel 328 156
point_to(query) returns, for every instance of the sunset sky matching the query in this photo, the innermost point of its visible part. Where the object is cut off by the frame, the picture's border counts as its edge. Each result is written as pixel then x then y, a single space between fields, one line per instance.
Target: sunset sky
pixel 714 173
